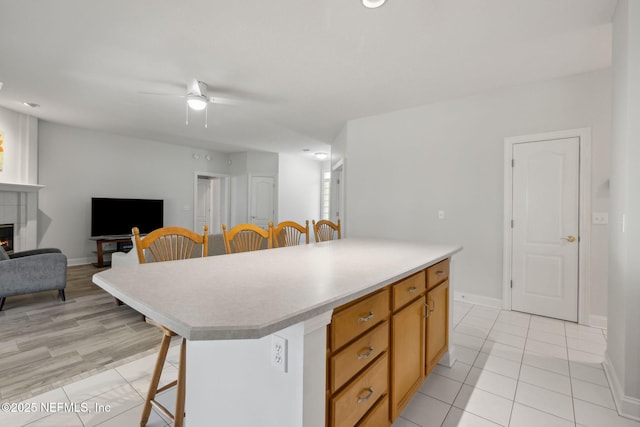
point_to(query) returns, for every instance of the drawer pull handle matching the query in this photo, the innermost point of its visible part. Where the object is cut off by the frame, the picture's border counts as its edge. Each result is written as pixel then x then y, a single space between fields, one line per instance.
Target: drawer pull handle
pixel 366 319
pixel 426 310
pixel 440 273
pixel 368 353
pixel 412 289
pixel 367 397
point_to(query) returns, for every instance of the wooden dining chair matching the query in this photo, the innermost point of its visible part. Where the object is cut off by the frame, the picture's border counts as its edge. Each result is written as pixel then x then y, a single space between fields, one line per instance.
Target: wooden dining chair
pixel 289 233
pixel 246 238
pixel 324 230
pixel 168 244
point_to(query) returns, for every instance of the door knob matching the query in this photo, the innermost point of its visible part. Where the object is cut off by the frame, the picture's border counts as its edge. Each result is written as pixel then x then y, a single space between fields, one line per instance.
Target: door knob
pixel 569 239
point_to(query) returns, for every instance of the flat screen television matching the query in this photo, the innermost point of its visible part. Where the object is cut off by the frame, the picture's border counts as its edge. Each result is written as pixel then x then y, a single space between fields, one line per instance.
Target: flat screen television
pixel 116 217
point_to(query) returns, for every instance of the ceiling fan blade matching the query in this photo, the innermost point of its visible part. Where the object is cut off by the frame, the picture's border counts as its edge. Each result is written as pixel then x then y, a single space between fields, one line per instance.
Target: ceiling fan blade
pixel 163 94
pixel 222 101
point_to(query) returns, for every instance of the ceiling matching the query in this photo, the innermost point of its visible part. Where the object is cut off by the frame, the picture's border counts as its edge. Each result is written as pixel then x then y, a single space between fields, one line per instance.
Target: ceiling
pixel 295 70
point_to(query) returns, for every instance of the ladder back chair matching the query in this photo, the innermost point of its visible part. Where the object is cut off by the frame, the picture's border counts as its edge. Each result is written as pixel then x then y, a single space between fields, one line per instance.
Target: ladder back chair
pixel 325 230
pixel 246 238
pixel 289 233
pixel 168 244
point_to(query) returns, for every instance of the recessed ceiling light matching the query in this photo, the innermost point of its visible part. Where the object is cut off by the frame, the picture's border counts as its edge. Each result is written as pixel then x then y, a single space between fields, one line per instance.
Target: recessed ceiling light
pixel 372 4
pixel 30 104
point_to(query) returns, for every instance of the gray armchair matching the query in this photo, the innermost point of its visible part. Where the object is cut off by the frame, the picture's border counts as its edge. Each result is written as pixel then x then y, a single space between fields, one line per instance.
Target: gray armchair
pixel 32 271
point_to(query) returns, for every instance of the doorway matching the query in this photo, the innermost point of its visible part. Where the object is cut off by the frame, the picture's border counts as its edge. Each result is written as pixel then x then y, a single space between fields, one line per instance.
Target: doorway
pixel 211 202
pixel 337 194
pixel 547 201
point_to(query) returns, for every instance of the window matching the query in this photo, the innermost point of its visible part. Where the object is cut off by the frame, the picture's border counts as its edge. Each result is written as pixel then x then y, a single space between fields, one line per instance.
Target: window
pixel 325 195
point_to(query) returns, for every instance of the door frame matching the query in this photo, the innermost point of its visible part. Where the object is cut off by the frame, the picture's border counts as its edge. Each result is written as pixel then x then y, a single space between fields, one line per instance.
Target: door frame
pixel 584 214
pixel 226 184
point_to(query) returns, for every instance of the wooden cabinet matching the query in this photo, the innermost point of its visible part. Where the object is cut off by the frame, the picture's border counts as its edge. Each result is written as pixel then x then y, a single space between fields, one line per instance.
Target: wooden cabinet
pixel 437 342
pixel 358 317
pixel 358 362
pixel 351 404
pixel 407 354
pixel 381 347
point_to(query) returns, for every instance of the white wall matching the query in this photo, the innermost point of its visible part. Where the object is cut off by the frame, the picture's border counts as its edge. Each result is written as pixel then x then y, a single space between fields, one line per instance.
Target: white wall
pixel 20 148
pixel 299 189
pixel 622 360
pixel 77 164
pixel 404 166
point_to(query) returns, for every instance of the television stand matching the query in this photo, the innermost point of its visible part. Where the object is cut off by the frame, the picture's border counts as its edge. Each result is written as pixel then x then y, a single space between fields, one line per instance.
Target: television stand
pixel 101 240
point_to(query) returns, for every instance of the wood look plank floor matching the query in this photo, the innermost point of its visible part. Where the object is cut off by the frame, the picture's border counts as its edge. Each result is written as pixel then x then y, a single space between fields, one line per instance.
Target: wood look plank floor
pixel 46 343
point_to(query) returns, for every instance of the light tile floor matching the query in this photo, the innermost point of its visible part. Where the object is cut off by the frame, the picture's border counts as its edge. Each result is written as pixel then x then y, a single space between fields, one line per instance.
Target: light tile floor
pixel 518 370
pixel 512 369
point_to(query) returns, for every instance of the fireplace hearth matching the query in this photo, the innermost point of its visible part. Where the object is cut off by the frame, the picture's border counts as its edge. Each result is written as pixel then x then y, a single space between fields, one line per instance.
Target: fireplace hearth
pixel 6 237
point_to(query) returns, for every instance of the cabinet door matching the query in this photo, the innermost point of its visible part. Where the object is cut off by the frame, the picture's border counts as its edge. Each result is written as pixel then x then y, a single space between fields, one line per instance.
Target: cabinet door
pixel 407 366
pixel 437 325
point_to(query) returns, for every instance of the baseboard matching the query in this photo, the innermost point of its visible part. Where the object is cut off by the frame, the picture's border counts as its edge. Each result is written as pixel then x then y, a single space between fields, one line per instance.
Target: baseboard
pixel 71 262
pixel 628 407
pixel 598 321
pixel 477 299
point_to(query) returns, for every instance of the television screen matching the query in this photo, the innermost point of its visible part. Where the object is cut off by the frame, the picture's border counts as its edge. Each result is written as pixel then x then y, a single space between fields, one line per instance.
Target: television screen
pixel 116 217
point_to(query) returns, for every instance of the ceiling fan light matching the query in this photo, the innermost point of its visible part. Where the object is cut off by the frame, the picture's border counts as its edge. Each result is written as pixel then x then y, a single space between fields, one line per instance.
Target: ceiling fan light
pixel 372 4
pixel 196 102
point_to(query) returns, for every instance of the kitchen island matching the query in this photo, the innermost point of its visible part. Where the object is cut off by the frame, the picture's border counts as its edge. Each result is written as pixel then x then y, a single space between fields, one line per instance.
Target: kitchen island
pixel 237 311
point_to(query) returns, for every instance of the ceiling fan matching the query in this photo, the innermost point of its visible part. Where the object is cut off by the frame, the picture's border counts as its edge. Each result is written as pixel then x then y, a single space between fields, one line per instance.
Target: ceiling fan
pixel 197 98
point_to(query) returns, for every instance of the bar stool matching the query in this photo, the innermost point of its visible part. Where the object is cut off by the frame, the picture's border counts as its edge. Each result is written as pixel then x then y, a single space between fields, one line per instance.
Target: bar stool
pixel 247 238
pixel 289 233
pixel 168 244
pixel 324 230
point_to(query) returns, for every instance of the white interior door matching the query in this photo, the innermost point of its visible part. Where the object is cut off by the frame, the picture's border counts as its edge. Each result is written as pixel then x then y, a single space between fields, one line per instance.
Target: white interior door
pixel 262 200
pixel 203 204
pixel 210 203
pixel 545 228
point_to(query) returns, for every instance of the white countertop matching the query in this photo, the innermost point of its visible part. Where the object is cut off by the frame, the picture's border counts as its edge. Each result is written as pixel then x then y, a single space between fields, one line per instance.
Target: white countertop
pixel 251 295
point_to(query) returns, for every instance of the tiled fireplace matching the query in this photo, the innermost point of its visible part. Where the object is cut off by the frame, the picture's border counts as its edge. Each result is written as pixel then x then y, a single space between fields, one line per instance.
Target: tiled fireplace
pixel 19 209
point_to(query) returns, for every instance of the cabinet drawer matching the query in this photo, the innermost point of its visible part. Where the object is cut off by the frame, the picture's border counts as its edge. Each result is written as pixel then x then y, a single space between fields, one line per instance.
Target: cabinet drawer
pixel 357 355
pixel 408 289
pixel 358 318
pixel 437 273
pixel 379 415
pixel 348 406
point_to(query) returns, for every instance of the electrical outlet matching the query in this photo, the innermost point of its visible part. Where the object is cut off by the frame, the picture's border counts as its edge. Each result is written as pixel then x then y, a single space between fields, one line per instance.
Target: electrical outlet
pixel 279 352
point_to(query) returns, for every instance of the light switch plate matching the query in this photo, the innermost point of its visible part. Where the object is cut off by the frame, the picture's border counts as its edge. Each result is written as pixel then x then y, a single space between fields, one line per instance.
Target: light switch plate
pixel 600 218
